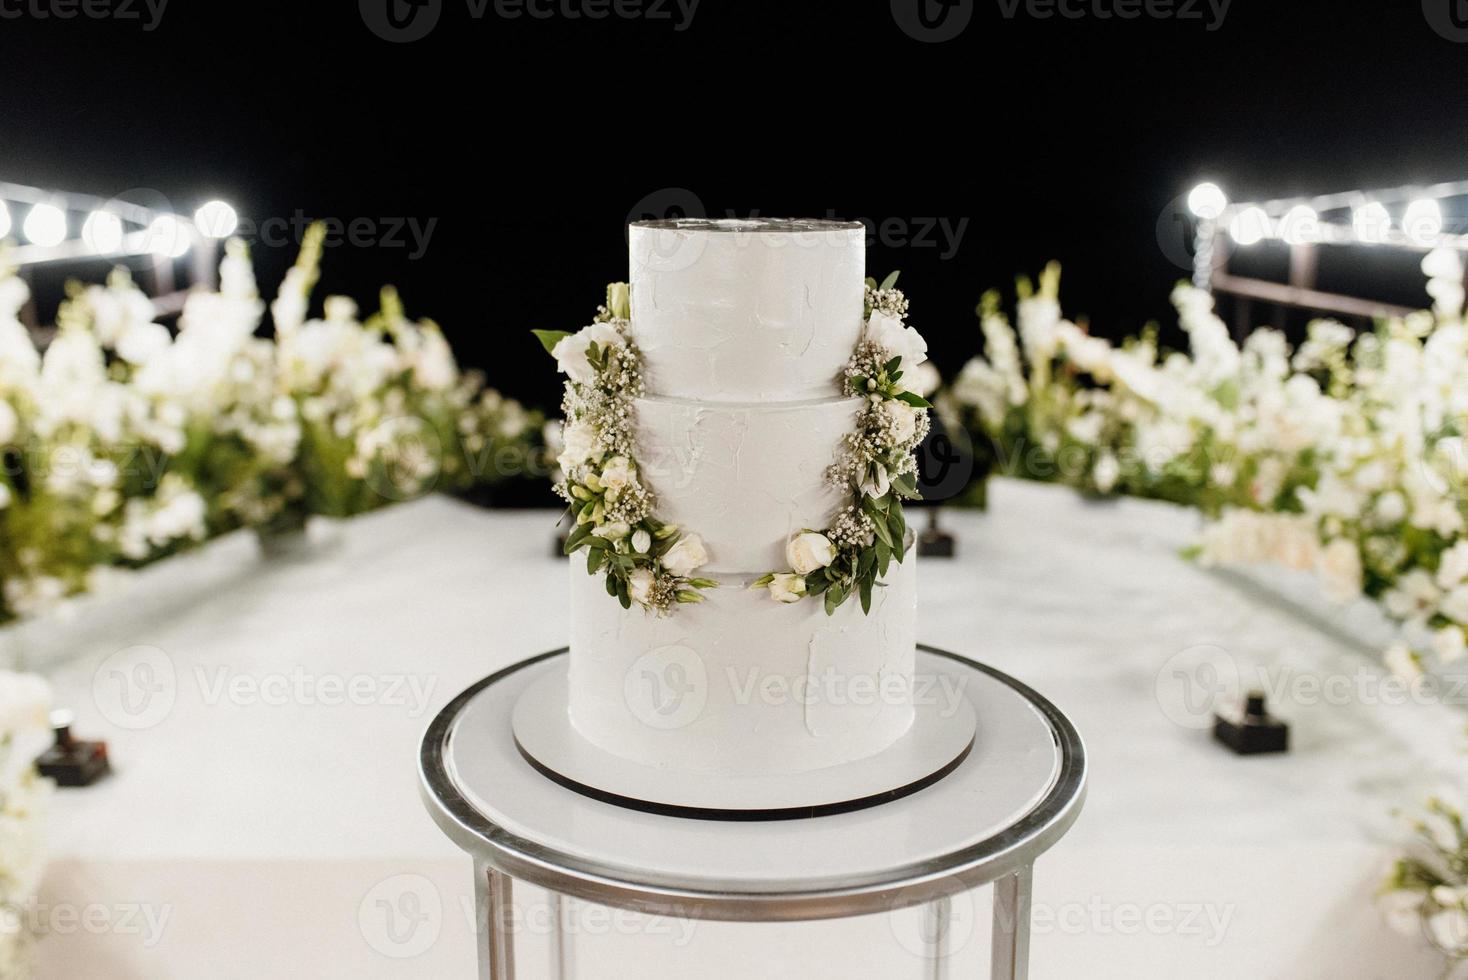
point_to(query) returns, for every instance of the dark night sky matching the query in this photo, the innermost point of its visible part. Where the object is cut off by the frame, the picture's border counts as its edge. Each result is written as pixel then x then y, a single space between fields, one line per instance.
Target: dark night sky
pixel 529 142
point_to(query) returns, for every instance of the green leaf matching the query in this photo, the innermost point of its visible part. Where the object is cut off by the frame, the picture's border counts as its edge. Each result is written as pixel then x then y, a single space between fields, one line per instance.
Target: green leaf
pixel 905 484
pixel 866 596
pixel 884 557
pixel 549 338
pixel 577 538
pixel 611 585
pixel 594 559
pixel 763 582
pixel 879 523
pixel 816 583
pixel 891 279
pixel 914 399
pixel 625 600
pixel 871 282
pixel 891 365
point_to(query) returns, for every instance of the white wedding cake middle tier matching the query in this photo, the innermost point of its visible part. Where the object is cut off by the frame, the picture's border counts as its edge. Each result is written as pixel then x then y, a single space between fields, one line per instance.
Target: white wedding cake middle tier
pixel 747 476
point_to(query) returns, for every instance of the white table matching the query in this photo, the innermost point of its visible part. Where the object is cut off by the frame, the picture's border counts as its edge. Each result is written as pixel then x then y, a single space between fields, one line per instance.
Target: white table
pixel 269 834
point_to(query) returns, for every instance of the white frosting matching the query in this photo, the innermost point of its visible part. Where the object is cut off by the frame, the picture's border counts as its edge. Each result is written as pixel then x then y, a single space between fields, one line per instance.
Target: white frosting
pixel 742 685
pixel 746 311
pixel 743 477
pixel 744 328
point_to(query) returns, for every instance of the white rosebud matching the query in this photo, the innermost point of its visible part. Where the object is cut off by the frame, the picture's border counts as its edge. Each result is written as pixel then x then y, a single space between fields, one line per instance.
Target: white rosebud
pixel 578 440
pixel 808 551
pixel 1402 910
pixel 618 474
pixel 639 585
pixel 614 531
pixel 903 418
pixel 786 587
pixel 685 556
pixel 641 541
pixel 888 332
pixel 875 482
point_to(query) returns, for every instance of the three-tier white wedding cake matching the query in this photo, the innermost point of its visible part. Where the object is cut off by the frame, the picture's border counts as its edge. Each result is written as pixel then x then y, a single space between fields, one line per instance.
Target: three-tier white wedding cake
pixel 744 330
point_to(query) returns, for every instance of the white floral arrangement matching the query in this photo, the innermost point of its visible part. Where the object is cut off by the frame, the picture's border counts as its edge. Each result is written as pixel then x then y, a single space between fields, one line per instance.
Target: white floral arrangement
pixel 1425 891
pixel 1344 457
pixel 25 796
pixel 876 466
pixel 643 559
pixel 650 562
pixel 126 441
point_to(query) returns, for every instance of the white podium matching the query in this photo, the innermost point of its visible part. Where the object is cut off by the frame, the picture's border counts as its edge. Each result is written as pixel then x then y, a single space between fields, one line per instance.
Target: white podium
pixel 1017 792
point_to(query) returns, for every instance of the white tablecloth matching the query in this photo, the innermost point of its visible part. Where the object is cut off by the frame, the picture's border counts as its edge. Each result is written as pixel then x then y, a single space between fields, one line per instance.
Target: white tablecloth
pixel 263 820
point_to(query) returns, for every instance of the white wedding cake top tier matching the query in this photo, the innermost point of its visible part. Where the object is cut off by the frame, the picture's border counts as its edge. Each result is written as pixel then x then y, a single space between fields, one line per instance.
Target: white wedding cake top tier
pixel 746 310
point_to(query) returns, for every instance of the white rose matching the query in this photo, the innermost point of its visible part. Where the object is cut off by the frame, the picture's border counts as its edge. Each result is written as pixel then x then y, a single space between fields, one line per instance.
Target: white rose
pixel 1338 566
pixel 903 418
pixel 571 352
pixel 1449 644
pixel 1403 663
pixel 617 474
pixel 639 585
pixel 875 482
pixel 579 444
pixel 786 587
pixel 685 556
pixel 904 342
pixel 641 541
pixel 1452 568
pixel 808 551
pixel 1450 928
pixel 614 531
pixel 1455 605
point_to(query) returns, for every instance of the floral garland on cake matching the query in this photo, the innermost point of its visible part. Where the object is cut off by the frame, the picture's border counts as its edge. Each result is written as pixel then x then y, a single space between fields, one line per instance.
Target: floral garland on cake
pixel 876 465
pixel 644 559
pixel 651 562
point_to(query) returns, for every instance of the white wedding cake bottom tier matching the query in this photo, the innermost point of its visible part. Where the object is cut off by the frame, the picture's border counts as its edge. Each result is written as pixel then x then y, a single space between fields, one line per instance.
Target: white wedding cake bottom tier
pixel 740 684
pixel 743 477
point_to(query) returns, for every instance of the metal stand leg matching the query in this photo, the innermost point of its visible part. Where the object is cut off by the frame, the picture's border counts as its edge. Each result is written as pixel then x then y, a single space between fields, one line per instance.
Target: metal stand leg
pixel 493 893
pixel 1010 959
pixel 937 918
pixel 560 938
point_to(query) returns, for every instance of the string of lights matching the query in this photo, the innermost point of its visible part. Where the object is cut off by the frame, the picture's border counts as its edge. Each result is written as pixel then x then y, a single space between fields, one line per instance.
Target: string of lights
pixel 57 226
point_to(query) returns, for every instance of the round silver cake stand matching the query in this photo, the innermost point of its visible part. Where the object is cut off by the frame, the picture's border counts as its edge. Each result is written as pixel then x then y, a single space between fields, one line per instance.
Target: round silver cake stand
pixel 1017 793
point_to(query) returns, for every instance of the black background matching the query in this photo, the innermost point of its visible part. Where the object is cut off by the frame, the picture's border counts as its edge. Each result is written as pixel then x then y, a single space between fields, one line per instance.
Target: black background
pixel 529 142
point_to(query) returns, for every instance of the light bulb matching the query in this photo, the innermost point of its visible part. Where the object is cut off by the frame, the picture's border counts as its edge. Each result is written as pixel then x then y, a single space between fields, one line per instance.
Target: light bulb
pixel 102 232
pixel 216 220
pixel 45 225
pixel 1250 226
pixel 1372 222
pixel 1423 222
pixel 1300 225
pixel 169 236
pixel 1207 201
